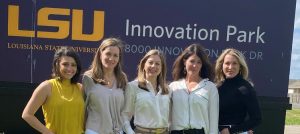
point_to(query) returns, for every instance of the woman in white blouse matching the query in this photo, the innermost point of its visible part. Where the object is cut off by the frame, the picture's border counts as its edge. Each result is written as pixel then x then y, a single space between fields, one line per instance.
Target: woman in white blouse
pixel 104 86
pixel 195 99
pixel 147 97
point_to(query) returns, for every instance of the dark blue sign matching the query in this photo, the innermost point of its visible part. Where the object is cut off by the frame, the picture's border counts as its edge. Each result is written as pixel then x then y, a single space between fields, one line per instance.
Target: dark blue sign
pixel 262 31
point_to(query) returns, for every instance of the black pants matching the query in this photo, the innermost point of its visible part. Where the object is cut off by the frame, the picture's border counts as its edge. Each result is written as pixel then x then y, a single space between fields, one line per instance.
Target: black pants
pixel 189 131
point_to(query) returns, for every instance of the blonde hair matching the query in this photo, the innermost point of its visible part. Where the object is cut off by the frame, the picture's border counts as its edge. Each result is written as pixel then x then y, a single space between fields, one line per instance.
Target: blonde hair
pixel 96 68
pixel 161 78
pixel 219 77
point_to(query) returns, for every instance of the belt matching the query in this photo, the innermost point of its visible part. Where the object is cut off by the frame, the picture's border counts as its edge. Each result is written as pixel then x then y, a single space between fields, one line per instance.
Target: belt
pixel 221 127
pixel 228 126
pixel 151 130
pixel 188 131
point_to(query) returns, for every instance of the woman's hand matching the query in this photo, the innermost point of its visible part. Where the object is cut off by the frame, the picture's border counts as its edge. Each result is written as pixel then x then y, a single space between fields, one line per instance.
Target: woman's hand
pixel 225 131
pixel 250 132
pixel 47 131
pixel 38 98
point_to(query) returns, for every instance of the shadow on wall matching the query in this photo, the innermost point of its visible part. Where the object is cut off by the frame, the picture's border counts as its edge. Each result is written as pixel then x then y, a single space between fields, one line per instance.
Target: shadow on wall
pixel 13 98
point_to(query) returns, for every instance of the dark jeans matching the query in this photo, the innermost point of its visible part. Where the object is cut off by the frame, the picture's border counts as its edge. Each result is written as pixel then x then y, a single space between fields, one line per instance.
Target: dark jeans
pixel 188 131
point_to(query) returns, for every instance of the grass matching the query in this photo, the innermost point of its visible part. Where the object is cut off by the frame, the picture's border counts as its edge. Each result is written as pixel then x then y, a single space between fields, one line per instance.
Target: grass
pixel 292 117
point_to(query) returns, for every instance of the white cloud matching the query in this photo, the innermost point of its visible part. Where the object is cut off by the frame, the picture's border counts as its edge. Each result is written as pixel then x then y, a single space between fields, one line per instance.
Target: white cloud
pixel 297 16
pixel 296 47
pixel 295 59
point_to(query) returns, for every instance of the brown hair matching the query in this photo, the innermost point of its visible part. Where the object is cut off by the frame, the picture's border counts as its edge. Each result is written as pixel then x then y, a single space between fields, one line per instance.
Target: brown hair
pixel 96 68
pixel 66 51
pixel 178 66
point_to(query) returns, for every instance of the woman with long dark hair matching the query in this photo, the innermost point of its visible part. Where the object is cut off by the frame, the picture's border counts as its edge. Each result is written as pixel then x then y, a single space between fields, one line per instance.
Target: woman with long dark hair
pixel 195 100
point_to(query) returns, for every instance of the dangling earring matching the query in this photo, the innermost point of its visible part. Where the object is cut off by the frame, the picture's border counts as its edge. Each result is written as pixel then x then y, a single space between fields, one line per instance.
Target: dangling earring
pixel 184 70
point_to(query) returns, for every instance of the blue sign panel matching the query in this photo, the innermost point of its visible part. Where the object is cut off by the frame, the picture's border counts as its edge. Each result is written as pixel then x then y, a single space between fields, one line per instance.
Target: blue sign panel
pixel 33 30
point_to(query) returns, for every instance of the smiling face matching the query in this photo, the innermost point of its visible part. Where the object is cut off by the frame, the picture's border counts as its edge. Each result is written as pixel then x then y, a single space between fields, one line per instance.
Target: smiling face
pixel 193 65
pixel 67 67
pixel 110 57
pixel 231 66
pixel 152 66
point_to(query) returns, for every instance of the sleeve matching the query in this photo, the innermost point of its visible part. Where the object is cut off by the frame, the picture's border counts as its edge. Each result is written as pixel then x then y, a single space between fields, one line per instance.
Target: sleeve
pixel 87 83
pixel 130 95
pixel 213 108
pixel 170 107
pixel 171 87
pixel 253 110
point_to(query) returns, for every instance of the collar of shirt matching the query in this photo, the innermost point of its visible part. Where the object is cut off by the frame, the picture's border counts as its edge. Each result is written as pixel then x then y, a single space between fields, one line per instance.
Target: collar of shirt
pixel 151 89
pixel 201 84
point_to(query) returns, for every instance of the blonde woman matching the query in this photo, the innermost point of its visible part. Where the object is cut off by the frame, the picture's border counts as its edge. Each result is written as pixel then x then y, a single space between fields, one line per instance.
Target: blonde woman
pixel 104 86
pixel 147 97
pixel 237 95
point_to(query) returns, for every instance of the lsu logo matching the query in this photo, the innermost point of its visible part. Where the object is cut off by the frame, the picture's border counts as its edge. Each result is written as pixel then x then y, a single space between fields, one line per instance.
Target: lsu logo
pixel 63 26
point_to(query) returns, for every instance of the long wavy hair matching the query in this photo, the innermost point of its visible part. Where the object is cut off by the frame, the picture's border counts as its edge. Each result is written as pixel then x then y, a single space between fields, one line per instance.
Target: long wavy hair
pixel 96 68
pixel 178 66
pixel 161 78
pixel 244 71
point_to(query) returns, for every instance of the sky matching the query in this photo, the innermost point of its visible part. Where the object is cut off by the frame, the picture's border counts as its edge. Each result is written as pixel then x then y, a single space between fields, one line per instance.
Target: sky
pixel 295 59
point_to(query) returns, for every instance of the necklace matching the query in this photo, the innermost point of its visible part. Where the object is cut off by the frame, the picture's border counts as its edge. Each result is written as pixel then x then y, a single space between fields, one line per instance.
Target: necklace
pixel 110 84
pixel 109 81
